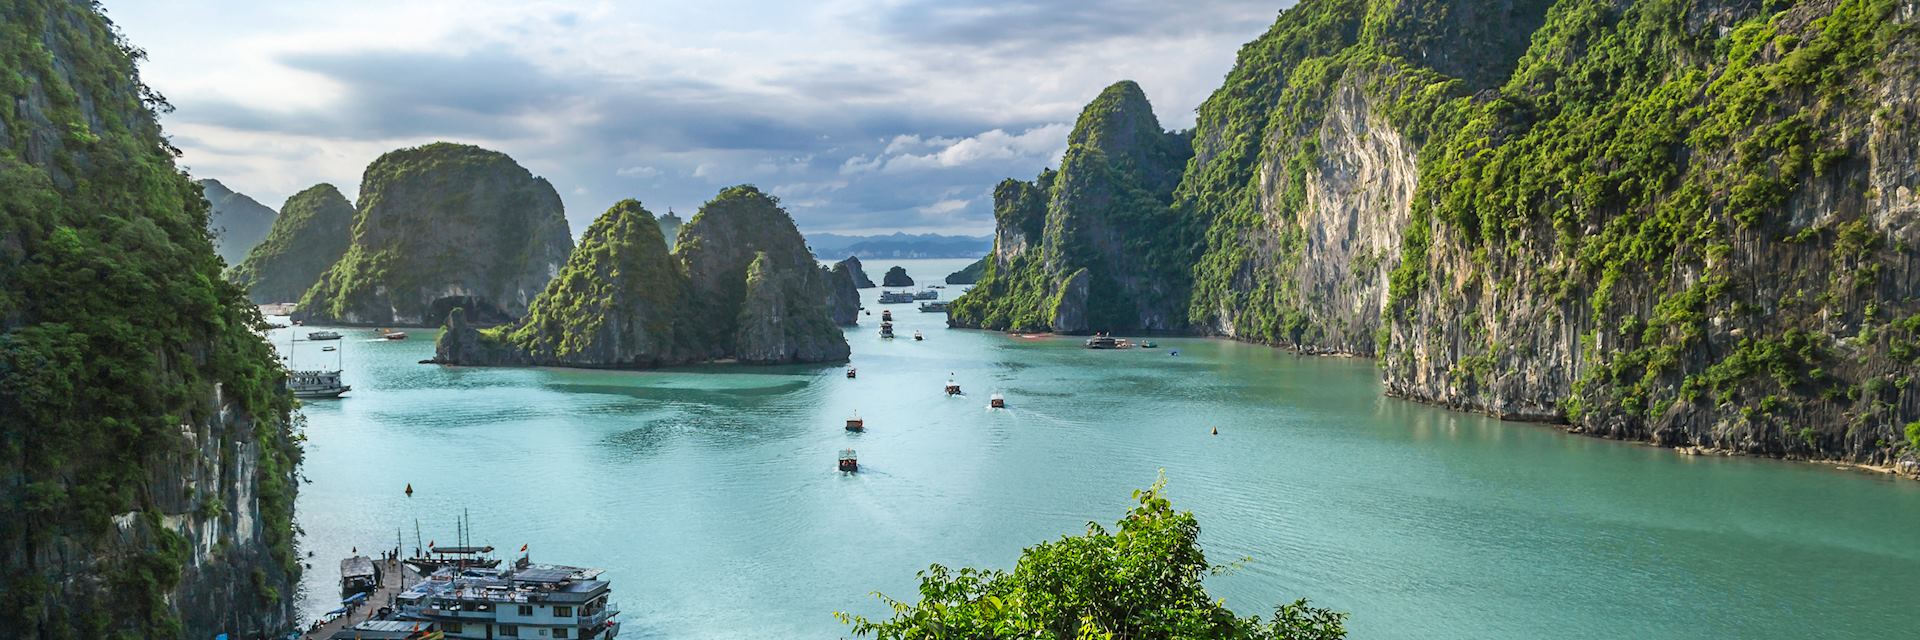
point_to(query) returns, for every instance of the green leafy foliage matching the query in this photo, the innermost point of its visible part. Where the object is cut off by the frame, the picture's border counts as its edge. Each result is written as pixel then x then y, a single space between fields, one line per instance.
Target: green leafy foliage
pixel 1141 580
pixel 311 233
pixel 118 330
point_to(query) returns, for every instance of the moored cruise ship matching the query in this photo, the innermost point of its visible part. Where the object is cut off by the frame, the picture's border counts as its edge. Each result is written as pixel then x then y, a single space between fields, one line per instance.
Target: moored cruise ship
pixel 522 601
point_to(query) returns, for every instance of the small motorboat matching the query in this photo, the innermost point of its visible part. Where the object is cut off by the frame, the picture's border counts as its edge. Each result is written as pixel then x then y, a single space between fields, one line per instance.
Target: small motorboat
pixel 856 424
pixel 997 401
pixel 953 388
pixel 323 335
pixel 329 348
pixel 1149 344
pixel 393 335
pixel 886 315
pixel 918 337
pixel 852 373
pixel 848 461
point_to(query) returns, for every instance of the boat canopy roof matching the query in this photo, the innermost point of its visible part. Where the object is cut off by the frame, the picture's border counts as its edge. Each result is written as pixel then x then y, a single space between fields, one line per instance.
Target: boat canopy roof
pixel 356 566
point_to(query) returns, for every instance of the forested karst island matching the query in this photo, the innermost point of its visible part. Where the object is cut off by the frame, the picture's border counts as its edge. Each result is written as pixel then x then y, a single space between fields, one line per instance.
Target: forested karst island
pixel 311 233
pixel 1684 221
pixel 441 226
pixel 740 286
pixel 142 419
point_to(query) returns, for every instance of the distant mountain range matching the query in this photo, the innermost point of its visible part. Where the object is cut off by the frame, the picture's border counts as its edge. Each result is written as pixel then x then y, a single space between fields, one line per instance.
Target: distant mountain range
pixel 899 245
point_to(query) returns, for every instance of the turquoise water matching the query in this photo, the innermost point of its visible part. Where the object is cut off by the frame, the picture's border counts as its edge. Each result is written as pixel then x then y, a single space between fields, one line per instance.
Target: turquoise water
pixel 710 494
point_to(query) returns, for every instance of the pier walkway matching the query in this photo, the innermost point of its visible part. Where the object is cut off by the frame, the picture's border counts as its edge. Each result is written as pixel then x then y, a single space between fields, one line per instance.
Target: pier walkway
pixel 392 572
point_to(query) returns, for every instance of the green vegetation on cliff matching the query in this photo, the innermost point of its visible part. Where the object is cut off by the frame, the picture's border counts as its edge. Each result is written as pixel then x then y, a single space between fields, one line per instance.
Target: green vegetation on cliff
pixel 129 369
pixel 1094 246
pixel 1142 580
pixel 439 226
pixel 969 274
pixel 310 235
pixel 1686 221
pixel 740 285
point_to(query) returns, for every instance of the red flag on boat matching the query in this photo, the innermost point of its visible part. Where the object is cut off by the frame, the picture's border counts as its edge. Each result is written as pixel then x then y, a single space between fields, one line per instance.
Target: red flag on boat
pixel 429 544
pixel 523 548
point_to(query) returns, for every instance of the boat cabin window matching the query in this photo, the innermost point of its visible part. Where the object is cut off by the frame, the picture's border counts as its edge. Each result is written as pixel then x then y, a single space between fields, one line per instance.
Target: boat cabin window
pixel 562 612
pixel 526 610
pixel 560 632
pixel 510 631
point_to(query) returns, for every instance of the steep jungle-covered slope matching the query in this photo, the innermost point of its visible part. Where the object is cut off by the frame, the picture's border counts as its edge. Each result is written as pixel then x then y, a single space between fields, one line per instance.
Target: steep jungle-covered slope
pixel 740 286
pixel 1095 245
pixel 1684 221
pixel 310 235
pixel 146 458
pixel 441 226
pixel 238 222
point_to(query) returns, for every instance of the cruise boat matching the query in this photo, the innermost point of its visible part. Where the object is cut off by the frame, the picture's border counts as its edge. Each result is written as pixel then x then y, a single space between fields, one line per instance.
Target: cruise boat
pixel 926 294
pixel 917 337
pixel 848 461
pixel 856 424
pixel 896 297
pixel 1104 341
pixel 933 307
pixel 525 600
pixel 953 387
pixel 323 335
pixel 316 384
pixel 997 401
pixel 886 330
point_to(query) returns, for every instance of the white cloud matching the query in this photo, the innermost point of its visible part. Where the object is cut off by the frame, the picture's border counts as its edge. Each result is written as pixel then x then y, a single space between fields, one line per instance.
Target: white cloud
pixel 1046 143
pixel 944 207
pixel 637 172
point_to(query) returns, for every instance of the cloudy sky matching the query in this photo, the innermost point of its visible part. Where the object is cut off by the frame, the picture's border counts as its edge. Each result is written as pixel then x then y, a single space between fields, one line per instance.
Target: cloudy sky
pixel 864 116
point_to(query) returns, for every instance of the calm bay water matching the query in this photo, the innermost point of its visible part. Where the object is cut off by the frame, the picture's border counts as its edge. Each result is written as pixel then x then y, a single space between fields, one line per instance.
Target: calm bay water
pixel 711 497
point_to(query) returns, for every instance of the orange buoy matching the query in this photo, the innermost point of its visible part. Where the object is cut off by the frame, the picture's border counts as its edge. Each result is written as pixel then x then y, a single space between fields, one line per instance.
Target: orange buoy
pixel 1216 431
pixel 409 489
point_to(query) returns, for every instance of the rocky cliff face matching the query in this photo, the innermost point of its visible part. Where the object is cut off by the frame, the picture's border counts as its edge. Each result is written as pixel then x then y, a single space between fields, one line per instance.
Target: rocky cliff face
pixel 1682 221
pixel 309 236
pixel 740 286
pixel 859 273
pixel 146 459
pixel 843 294
pixel 896 277
pixel 670 228
pixel 238 222
pixel 1106 212
pixel 442 226
pixel 969 274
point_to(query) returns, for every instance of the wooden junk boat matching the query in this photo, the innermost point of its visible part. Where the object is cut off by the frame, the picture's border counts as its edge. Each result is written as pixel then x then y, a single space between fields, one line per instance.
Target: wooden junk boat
pixel 848 462
pixel 1104 341
pixel 997 401
pixel 886 330
pixel 852 373
pixel 953 388
pixel 886 315
pixel 855 423
pixel 917 336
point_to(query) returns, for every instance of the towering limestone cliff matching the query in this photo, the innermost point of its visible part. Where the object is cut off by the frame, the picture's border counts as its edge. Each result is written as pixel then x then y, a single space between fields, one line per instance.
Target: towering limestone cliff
pixel 238 222
pixel 843 294
pixel 858 272
pixel 1094 246
pixel 670 227
pixel 146 462
pixel 442 226
pixel 1691 222
pixel 740 286
pixel 310 235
